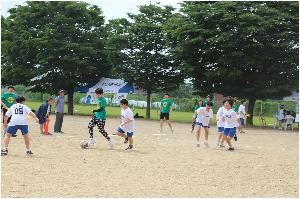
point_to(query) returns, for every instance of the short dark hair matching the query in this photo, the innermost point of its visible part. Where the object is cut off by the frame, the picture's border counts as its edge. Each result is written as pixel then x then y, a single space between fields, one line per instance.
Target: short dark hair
pixel 208 96
pixel 224 101
pixel 167 94
pixel 209 103
pixel 20 99
pixel 50 99
pixel 99 91
pixel 288 112
pixel 10 87
pixel 230 101
pixel 243 101
pixel 124 102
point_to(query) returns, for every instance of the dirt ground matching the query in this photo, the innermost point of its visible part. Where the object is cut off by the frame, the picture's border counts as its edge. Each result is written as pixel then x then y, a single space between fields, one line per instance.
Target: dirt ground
pixel 264 164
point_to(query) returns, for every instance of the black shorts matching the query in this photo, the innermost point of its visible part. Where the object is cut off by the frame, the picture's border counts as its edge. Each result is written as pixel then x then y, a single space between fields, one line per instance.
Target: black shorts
pixel 164 115
pixel 4 110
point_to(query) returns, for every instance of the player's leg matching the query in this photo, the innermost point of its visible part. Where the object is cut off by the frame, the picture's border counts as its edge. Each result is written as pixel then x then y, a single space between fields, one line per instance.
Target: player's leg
pixel 232 132
pixel 101 125
pixel 91 131
pixel 206 132
pixel 161 121
pixel 11 130
pixel 169 122
pixel 198 129
pixel 121 133
pixel 130 140
pixel 24 130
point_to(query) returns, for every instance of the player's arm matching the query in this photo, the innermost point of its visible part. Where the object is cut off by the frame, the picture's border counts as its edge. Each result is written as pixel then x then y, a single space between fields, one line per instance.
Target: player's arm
pixel 98 110
pixel 3 104
pixel 34 116
pixel 6 116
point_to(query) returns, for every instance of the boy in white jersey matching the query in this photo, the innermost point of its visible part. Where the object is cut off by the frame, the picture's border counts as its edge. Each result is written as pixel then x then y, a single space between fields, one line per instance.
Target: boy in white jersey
pixel 127 124
pixel 220 124
pixel 18 113
pixel 241 115
pixel 230 118
pixel 204 116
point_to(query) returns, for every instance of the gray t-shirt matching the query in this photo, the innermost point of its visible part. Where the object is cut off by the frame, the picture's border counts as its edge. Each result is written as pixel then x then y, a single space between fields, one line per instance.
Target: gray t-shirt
pixel 59 101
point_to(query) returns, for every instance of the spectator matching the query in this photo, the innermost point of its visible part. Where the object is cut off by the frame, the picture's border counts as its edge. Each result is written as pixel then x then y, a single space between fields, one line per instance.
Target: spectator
pixel 281 116
pixel 59 103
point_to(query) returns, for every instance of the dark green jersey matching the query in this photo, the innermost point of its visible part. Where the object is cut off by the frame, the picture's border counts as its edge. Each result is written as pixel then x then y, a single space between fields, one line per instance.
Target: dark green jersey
pixel 166 103
pixel 101 103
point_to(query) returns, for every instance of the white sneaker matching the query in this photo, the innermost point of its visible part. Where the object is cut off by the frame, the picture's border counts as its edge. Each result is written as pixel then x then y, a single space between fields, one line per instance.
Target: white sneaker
pixel 110 143
pixel 206 144
pixel 92 142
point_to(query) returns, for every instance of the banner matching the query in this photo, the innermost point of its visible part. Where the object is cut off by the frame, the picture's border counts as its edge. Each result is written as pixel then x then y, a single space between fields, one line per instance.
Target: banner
pixel 118 97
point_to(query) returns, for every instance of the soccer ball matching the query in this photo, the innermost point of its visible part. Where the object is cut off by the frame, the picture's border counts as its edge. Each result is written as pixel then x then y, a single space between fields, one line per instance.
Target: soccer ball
pixel 84 144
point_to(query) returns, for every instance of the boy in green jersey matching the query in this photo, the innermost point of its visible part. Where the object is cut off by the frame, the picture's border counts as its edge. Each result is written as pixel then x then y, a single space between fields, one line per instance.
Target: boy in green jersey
pixel 165 109
pixel 7 100
pixel 99 117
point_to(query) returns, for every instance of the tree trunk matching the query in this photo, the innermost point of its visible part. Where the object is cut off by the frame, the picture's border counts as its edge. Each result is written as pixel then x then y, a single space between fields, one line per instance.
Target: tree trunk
pixel 70 93
pixel 250 110
pixel 148 105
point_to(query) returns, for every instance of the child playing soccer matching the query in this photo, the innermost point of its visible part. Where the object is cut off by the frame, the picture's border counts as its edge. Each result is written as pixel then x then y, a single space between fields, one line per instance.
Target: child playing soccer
pixel 200 102
pixel 220 124
pixel 18 113
pixel 127 124
pixel 230 118
pixel 43 114
pixel 99 118
pixel 204 116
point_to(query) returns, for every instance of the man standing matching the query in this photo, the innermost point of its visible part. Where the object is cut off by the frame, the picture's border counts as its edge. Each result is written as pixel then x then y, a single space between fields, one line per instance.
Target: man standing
pixel 165 109
pixel 7 100
pixel 59 103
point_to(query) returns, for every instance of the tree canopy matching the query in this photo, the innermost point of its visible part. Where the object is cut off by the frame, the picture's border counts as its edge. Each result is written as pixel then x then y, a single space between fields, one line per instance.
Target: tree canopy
pixel 54 45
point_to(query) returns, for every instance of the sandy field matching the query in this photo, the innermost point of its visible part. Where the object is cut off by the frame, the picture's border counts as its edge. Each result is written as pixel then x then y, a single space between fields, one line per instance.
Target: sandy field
pixel 264 164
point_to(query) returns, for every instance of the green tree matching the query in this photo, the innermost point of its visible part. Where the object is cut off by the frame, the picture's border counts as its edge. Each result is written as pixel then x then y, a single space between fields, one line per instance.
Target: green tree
pixel 243 49
pixel 140 50
pixel 54 45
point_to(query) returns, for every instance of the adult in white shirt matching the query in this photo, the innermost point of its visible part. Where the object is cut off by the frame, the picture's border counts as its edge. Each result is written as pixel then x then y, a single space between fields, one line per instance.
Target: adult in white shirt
pixel 204 117
pixel 230 118
pixel 18 113
pixel 127 124
pixel 220 123
pixel 242 115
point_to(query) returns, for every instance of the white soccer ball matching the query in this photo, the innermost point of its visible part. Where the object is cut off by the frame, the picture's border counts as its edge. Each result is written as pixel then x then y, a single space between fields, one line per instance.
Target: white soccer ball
pixel 84 144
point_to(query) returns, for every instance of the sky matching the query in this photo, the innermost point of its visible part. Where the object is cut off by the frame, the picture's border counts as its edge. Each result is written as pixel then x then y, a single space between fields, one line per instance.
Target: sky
pixel 112 9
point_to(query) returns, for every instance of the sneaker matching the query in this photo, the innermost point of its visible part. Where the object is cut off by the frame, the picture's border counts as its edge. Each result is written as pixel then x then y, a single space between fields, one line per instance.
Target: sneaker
pixel 129 147
pixel 60 132
pixel 110 143
pixel 230 149
pixel 92 142
pixel 4 152
pixel 29 153
pixel 198 145
pixel 126 140
pixel 221 146
pixel 218 143
pixel 235 137
pixel 206 144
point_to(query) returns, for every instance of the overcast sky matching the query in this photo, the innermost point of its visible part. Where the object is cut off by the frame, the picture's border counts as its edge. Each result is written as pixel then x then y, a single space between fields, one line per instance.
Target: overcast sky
pixel 112 9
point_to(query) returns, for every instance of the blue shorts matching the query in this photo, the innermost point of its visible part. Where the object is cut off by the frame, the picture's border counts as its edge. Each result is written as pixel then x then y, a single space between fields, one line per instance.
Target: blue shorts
pixel 220 129
pixel 242 121
pixel 129 134
pixel 13 129
pixel 230 132
pixel 42 120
